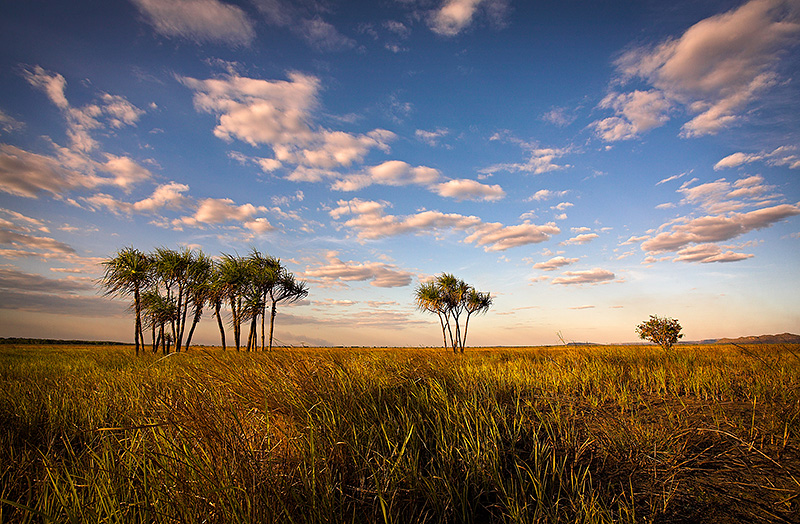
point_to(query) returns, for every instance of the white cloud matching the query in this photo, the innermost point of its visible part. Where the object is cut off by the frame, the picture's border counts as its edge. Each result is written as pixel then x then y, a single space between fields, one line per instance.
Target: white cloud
pixel 279 114
pixel 322 36
pixel 9 124
pixel 583 238
pixel 555 263
pixel 371 222
pixel 560 116
pixel 379 274
pixel 541 160
pixel 464 189
pixel 715 69
pixel 199 20
pixel 782 156
pixel 717 228
pixel 431 137
pixel 26 241
pixel 114 109
pixel 707 253
pixel 164 196
pixel 546 194
pixel 592 276
pixel 456 15
pixel 637 112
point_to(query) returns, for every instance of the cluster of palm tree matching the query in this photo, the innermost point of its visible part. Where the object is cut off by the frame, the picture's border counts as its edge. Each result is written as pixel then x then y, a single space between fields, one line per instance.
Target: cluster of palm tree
pixel 171 288
pixel 452 300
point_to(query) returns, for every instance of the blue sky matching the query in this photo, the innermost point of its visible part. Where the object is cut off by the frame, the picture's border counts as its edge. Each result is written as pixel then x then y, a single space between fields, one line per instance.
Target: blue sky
pixel 588 163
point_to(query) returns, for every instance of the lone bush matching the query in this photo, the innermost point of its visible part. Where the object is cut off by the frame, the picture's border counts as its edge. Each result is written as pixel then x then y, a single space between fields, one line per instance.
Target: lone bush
pixel 663 331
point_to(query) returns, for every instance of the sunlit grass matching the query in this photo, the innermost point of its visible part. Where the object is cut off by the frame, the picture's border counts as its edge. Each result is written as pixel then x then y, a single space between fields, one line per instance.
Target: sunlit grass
pixel 577 434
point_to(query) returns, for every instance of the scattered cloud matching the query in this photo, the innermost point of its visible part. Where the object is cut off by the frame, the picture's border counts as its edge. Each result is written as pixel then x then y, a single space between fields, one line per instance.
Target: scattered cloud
pixel 707 253
pixel 715 70
pixel 555 263
pixel 581 239
pixel 782 156
pixel 322 36
pixel 541 160
pixel 371 222
pixel 108 110
pixel 546 194
pixel 379 274
pixel 637 112
pixel 280 114
pixel 431 137
pixel 9 124
pixel 465 189
pixel 454 16
pixel 560 116
pixel 591 276
pixel 727 217
pixel 198 20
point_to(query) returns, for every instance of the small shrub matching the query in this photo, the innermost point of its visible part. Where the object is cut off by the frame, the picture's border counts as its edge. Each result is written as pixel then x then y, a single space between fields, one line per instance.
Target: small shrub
pixel 663 331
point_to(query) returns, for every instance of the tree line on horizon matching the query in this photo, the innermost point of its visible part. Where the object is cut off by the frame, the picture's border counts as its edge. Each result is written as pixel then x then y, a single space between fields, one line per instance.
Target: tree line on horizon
pixel 172 288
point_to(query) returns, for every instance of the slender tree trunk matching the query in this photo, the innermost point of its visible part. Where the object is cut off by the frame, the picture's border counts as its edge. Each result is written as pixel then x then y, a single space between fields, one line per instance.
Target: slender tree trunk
pixel 464 338
pixel 195 321
pixel 253 335
pixel 444 333
pixel 217 307
pixel 138 326
pixel 263 320
pixel 272 322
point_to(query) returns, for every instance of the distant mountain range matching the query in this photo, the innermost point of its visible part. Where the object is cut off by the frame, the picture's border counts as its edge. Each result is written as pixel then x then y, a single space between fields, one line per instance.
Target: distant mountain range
pixel 783 338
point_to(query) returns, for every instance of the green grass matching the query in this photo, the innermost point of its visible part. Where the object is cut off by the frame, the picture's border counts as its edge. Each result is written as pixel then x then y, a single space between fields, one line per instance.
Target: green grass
pixel 579 434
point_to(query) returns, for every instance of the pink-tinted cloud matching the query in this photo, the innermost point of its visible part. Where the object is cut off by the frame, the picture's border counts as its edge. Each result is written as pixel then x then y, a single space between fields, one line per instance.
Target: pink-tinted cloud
pixel 591 276
pixel 199 20
pixel 379 274
pixel 555 263
pixel 371 222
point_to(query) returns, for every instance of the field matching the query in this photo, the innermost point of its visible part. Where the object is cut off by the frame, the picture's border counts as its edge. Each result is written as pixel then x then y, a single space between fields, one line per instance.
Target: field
pixel 563 434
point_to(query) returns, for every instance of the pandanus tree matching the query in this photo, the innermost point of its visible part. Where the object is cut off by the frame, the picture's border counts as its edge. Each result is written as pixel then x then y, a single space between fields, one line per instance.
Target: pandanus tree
pixel 286 289
pixel 233 278
pixel 173 287
pixel 452 300
pixel 128 273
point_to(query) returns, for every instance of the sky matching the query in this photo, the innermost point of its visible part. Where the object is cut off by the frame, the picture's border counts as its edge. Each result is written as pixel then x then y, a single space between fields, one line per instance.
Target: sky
pixel 587 163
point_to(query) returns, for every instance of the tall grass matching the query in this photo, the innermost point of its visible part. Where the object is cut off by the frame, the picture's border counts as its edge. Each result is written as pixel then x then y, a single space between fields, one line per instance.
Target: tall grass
pixel 585 434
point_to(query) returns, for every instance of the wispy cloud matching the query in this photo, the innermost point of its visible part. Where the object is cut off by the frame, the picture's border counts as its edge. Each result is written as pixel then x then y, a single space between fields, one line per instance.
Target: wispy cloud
pixel 591 276
pixel 782 156
pixel 379 274
pixel 199 20
pixel 280 114
pixel 714 70
pixel 454 16
pixel 371 221
pixel 555 263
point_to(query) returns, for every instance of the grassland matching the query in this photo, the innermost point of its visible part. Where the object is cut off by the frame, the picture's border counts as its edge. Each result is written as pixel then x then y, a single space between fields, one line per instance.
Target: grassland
pixel 578 434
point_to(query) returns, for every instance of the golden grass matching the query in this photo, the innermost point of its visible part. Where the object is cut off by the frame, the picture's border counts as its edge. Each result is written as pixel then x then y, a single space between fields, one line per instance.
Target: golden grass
pixel 542 434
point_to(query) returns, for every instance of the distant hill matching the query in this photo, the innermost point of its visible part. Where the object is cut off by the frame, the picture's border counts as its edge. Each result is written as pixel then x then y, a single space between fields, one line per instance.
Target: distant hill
pixel 783 338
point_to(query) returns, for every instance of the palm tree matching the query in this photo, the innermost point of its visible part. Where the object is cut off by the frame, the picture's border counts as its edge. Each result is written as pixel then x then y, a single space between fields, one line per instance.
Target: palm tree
pixel 288 290
pixel 233 277
pixel 264 271
pixel 172 272
pixel 450 298
pixel 126 273
pixel 199 289
pixel 216 296
pixel 475 303
pixel 429 299
pixel 160 311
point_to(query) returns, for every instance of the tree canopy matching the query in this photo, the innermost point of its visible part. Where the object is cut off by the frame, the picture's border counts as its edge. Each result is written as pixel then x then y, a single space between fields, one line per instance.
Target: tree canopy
pixel 453 301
